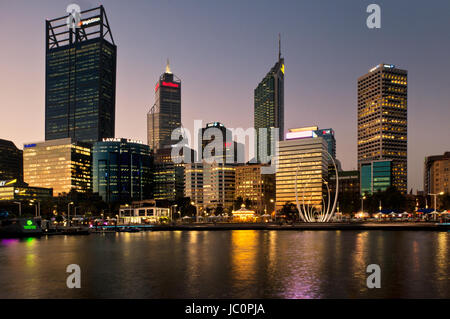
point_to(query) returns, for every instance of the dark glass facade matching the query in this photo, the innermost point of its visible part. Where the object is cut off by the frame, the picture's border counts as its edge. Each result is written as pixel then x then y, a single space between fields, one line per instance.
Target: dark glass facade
pixel 376 176
pixel 80 85
pixel 122 170
pixel 168 176
pixel 11 161
pixel 165 114
pixel 328 136
pixel 269 107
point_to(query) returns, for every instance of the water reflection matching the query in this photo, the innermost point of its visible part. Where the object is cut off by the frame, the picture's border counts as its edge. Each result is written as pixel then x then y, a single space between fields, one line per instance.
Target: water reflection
pixel 228 264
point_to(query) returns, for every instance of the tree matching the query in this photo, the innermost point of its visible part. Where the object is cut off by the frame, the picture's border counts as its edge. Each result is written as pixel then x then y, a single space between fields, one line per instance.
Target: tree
pixel 248 203
pixel 238 203
pixel 290 211
pixel 445 201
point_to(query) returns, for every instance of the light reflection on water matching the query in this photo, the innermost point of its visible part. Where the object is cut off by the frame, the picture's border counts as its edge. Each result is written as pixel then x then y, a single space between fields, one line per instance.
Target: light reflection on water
pixel 229 264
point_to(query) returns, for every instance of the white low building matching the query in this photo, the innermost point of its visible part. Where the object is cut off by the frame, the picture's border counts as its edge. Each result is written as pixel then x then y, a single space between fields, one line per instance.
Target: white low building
pixel 142 215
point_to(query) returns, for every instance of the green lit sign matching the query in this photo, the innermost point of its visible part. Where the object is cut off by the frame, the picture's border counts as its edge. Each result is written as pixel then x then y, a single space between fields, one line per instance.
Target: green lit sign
pixel 29 225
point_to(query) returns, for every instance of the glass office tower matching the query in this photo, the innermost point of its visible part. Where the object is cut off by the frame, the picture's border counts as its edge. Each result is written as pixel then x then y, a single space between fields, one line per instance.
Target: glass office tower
pixel 383 119
pixel 269 108
pixel 121 170
pixel 80 80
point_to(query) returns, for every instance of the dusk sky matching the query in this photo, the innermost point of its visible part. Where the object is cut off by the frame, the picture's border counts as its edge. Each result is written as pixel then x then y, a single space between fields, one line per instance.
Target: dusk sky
pixel 222 49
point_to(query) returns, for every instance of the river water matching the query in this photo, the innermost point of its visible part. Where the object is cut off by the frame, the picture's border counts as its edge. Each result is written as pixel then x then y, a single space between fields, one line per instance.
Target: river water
pixel 229 264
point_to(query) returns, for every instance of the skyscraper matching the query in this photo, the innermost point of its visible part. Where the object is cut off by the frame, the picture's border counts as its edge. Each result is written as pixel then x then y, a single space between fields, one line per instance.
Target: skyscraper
pixel 269 107
pixel 165 114
pixel 382 120
pixel 80 80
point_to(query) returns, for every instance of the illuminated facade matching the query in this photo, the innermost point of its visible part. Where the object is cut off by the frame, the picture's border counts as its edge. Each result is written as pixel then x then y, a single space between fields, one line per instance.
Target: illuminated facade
pixel 11 161
pixel 256 187
pixel 302 154
pixel 165 114
pixel 18 191
pixel 59 164
pixel 382 119
pixel 437 174
pixel 193 182
pixel 80 81
pixel 121 170
pixel 218 185
pixel 269 107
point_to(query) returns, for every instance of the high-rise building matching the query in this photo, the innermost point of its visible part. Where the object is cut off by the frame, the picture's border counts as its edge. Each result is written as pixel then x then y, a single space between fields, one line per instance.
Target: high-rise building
pixel 80 80
pixel 256 187
pixel 302 154
pixel 121 170
pixel 11 161
pixel 193 182
pixel 269 108
pixel 382 119
pixel 165 114
pixel 218 186
pixel 59 164
pixel 437 174
pixel 376 176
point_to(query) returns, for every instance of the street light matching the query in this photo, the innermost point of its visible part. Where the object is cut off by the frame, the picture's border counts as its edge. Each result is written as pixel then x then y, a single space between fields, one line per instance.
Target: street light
pixel 196 211
pixel 435 196
pixel 171 211
pixel 37 205
pixel 68 211
pixel 362 203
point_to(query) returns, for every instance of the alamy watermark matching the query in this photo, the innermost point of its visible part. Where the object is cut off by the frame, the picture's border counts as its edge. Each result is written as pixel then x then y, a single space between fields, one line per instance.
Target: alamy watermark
pixel 374 19
pixel 74 19
pixel 226 145
pixel 374 279
pixel 74 279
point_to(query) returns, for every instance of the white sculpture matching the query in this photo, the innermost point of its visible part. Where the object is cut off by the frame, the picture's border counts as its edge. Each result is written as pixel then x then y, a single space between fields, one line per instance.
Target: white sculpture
pixel 326 212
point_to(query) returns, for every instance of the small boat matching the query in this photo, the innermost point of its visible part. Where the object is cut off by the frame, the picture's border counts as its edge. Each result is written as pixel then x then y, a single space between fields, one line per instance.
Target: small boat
pixel 19 227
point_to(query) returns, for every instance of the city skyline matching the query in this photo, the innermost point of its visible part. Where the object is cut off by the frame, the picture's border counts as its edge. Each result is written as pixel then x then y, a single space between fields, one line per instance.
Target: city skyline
pixel 311 87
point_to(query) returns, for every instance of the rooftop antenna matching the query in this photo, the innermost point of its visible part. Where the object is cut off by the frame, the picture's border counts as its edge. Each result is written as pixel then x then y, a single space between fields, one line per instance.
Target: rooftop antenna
pixel 279 46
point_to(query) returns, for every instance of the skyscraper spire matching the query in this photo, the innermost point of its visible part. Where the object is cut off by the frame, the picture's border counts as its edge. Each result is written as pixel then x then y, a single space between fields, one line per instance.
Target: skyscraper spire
pixel 279 46
pixel 168 67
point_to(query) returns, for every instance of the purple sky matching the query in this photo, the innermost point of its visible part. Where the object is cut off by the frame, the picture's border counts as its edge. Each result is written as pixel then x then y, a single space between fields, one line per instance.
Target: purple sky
pixel 222 49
